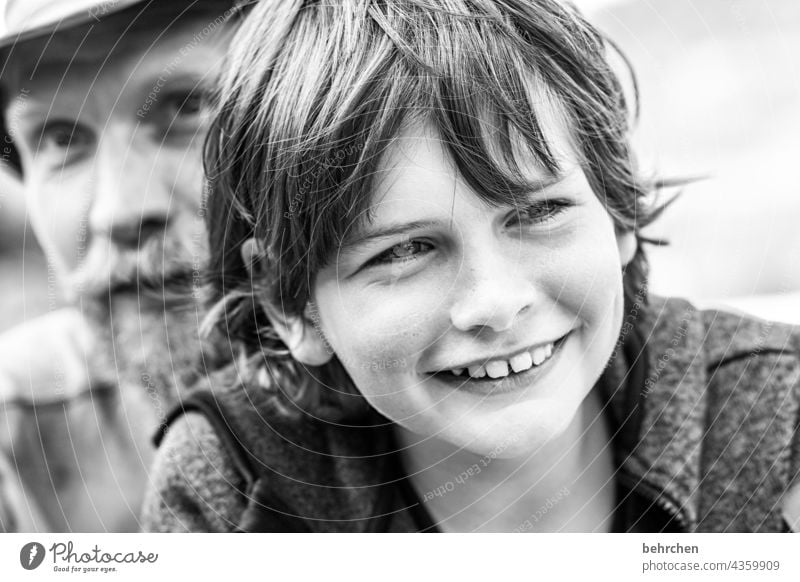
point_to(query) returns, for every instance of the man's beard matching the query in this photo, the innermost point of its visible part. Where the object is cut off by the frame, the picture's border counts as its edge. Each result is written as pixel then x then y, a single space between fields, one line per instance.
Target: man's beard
pixel 145 309
pixel 145 350
pixel 166 267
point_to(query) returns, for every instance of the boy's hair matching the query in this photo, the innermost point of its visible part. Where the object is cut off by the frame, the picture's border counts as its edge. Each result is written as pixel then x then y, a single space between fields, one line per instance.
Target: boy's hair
pixel 315 92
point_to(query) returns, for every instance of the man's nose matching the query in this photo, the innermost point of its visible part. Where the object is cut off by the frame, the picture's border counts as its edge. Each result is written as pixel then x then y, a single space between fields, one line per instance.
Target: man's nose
pixel 130 204
pixel 493 292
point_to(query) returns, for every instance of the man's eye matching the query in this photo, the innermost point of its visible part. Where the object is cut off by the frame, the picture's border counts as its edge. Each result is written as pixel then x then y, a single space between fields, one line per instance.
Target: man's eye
pixel 188 104
pixel 401 253
pixel 185 110
pixel 62 142
pixel 539 212
pixel 63 135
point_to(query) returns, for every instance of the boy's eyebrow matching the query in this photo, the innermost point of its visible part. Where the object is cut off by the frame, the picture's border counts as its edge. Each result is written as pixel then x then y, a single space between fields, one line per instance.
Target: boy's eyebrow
pixel 387 232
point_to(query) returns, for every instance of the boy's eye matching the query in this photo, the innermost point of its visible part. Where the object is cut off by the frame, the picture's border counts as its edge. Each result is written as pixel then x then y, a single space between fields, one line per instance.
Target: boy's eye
pixel 405 251
pixel 539 212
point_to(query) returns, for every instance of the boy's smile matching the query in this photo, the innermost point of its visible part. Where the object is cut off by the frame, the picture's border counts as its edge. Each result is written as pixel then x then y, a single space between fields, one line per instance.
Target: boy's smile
pixel 494 374
pixel 505 316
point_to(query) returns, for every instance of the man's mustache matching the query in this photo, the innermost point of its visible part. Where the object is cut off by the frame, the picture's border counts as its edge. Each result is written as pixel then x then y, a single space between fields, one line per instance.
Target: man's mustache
pixel 163 269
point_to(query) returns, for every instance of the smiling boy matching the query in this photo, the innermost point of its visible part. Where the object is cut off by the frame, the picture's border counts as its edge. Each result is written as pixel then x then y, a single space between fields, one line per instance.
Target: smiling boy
pixel 487 231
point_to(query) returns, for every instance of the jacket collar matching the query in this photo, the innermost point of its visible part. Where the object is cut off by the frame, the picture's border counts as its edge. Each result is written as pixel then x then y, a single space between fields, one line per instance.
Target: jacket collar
pixel 657 388
pixel 656 384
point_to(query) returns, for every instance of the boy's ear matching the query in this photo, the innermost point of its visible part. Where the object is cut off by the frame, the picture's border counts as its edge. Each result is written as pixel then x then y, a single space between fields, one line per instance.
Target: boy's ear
pixel 252 255
pixel 303 340
pixel 298 332
pixel 627 245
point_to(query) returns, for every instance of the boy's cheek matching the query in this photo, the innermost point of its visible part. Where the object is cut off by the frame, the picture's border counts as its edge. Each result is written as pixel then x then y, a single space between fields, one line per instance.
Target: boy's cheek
pixel 390 316
pixel 383 377
pixel 379 352
pixel 588 268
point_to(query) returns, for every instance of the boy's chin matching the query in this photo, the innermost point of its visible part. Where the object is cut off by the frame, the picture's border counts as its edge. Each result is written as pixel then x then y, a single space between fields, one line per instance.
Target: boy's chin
pixel 520 436
pixel 505 446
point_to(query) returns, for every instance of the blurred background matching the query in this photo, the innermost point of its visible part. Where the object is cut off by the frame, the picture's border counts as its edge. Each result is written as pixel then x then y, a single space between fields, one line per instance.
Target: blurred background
pixel 720 97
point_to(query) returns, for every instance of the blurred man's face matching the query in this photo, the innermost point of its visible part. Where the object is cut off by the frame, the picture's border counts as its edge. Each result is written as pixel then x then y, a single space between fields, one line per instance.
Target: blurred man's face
pixel 111 149
pixel 110 125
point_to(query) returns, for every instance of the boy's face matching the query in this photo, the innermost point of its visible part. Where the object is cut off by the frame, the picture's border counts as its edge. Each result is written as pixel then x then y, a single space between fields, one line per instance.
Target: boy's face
pixel 440 281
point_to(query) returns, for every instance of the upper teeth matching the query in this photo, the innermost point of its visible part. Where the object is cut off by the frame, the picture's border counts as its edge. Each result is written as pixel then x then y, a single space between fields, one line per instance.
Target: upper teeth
pixel 500 368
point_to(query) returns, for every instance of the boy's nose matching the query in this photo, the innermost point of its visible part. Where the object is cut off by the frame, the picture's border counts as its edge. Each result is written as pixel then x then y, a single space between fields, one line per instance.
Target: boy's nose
pixel 496 293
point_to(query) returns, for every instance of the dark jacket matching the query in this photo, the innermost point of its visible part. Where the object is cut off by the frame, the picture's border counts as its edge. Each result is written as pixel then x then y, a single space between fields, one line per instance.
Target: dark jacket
pixel 704 405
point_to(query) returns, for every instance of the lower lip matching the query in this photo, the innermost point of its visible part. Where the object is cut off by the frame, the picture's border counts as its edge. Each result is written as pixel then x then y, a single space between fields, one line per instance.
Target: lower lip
pixel 514 382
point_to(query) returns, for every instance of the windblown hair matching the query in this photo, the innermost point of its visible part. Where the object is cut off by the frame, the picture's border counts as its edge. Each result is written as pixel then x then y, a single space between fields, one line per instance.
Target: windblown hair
pixel 315 92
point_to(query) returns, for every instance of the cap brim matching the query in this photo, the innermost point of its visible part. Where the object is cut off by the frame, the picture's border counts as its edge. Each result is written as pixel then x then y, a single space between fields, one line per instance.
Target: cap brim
pixel 77 19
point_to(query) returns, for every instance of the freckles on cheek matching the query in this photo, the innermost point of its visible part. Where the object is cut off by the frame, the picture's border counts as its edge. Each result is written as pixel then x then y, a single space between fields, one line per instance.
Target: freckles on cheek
pixel 389 332
pixel 353 334
pixel 383 330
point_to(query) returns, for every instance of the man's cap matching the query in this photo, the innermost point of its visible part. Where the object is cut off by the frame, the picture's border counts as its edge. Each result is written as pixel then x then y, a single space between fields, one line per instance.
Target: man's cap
pixel 29 19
